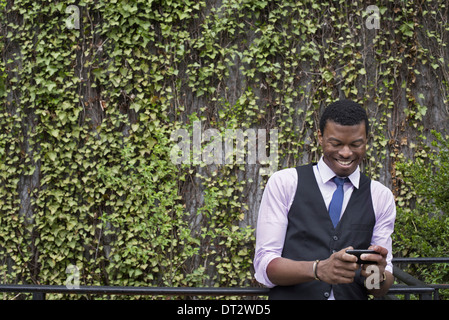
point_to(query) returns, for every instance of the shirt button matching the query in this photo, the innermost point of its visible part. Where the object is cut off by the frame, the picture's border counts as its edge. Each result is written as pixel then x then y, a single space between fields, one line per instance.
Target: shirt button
pixel 335 238
pixel 326 294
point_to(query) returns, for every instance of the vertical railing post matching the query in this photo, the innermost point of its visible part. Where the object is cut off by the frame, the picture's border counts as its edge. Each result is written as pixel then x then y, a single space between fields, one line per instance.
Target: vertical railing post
pixel 38 296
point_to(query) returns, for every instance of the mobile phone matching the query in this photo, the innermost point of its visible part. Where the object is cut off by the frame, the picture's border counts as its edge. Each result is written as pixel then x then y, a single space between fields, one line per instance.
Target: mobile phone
pixel 359 252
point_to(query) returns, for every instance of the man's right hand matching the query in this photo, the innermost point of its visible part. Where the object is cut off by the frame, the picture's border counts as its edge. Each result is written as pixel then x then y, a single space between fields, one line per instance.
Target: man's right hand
pixel 340 267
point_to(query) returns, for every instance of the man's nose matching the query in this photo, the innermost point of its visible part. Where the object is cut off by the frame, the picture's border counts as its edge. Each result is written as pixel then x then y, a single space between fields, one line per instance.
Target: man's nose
pixel 345 152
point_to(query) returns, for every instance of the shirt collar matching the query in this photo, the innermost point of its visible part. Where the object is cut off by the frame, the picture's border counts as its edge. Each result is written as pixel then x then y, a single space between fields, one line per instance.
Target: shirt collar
pixel 327 174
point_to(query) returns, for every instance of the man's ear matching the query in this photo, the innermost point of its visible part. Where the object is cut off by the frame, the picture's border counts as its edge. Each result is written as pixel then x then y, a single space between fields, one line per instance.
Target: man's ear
pixel 320 137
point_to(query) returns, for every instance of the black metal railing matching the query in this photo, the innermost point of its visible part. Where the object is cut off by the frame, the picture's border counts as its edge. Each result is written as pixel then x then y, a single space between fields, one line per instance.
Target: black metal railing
pixel 413 285
pixel 410 286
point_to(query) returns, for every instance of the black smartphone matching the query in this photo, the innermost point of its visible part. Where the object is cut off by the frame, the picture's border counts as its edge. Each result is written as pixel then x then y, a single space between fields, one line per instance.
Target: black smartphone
pixel 359 252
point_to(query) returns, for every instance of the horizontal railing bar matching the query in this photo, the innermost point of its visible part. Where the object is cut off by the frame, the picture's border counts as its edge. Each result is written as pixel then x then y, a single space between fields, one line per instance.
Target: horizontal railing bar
pixel 404 289
pixel 421 260
pixel 180 291
pixel 439 286
pixel 415 286
pixel 202 291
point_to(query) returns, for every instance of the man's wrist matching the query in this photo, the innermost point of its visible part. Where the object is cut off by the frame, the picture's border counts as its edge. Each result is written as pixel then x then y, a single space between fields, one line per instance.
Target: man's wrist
pixel 375 285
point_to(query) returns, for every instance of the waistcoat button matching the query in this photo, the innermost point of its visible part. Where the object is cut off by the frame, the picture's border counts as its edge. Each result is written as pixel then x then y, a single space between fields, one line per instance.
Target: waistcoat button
pixel 335 238
pixel 326 294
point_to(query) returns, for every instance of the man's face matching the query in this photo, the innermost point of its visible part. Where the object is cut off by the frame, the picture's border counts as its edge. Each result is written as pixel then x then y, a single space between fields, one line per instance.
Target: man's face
pixel 344 147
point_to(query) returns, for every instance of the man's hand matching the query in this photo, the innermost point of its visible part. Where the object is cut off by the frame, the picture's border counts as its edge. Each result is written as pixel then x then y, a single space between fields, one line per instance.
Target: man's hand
pixel 376 283
pixel 340 267
pixel 379 259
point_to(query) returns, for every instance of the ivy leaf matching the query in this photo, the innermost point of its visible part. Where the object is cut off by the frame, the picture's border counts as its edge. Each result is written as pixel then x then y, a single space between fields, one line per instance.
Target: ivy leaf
pixel 135 127
pixel 51 155
pixel 407 28
pixel 136 106
pixel 327 75
pixel 54 133
pixel 51 85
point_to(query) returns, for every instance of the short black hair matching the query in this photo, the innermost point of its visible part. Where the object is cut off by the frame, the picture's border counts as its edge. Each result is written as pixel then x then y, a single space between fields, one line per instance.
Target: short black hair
pixel 345 113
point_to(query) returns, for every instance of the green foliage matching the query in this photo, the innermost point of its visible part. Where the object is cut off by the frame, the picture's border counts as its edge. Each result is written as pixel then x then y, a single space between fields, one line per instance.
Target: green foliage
pixel 426 177
pixel 422 226
pixel 149 235
pixel 418 234
pixel 86 117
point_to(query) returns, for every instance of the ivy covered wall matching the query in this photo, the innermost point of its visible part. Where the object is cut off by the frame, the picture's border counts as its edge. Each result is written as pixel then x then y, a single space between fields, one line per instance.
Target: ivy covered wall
pixel 92 91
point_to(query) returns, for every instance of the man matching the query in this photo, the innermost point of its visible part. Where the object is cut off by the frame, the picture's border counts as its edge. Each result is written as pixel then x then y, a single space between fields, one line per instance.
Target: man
pixel 300 246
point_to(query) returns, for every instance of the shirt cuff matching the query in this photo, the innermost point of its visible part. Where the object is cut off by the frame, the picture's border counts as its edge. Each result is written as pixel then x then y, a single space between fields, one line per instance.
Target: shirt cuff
pixel 261 270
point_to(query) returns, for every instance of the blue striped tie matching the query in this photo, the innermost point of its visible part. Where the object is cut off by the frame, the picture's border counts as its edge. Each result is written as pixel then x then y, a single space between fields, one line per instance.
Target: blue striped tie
pixel 337 200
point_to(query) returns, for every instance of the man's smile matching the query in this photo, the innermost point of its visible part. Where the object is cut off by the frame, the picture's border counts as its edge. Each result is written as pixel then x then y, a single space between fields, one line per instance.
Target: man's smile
pixel 345 163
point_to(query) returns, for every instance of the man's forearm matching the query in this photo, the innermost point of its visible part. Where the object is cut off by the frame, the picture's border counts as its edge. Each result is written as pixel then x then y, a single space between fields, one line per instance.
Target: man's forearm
pixel 286 272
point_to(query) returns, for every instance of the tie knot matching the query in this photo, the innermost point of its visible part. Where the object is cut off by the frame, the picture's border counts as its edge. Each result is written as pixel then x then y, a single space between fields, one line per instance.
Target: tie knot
pixel 340 181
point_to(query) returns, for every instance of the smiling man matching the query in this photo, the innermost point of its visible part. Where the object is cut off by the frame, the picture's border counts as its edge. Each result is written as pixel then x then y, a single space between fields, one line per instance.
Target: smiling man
pixel 310 215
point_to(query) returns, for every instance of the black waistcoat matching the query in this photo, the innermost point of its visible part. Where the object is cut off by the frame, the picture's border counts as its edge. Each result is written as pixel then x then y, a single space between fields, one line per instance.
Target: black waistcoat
pixel 310 236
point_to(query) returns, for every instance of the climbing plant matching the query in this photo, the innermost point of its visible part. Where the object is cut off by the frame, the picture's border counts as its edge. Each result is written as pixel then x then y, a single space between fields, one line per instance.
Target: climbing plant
pixel 92 91
pixel 423 214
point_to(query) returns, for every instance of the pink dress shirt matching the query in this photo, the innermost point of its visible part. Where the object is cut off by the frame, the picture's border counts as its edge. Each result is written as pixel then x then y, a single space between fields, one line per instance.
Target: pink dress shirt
pixel 278 197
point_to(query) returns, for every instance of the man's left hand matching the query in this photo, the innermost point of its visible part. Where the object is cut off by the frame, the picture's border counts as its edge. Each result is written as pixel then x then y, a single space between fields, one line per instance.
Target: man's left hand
pixel 379 259
pixel 377 286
